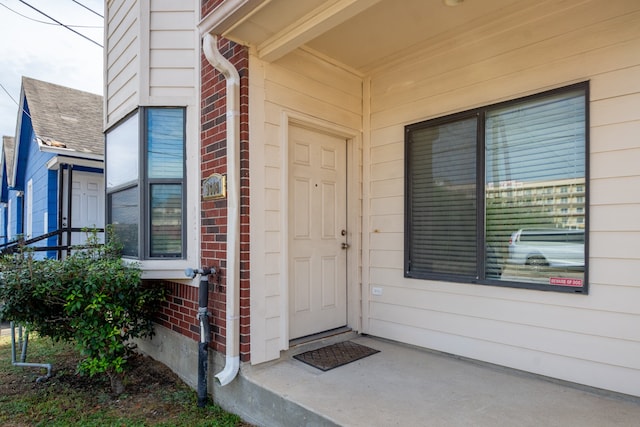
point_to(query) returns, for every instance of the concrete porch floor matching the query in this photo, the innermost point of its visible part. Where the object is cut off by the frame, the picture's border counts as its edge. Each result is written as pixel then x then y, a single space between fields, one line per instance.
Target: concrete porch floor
pixel 406 386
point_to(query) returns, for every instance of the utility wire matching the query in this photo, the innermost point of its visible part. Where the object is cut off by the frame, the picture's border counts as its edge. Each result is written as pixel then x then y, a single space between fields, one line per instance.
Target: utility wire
pixel 60 23
pixel 7 92
pixel 45 22
pixel 88 8
pixel 13 99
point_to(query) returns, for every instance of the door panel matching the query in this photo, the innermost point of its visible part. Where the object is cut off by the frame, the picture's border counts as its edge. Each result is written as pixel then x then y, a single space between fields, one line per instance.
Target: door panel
pixel 317 217
pixel 87 203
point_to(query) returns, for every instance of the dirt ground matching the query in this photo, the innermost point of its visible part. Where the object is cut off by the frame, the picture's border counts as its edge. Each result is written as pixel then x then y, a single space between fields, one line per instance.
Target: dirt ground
pixel 152 391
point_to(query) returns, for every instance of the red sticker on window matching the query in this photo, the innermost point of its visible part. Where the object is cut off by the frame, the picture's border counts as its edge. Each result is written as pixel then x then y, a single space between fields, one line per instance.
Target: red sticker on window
pixel 563 281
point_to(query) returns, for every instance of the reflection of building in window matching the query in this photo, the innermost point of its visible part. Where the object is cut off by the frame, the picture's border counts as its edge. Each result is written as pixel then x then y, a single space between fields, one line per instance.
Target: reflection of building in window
pixel 566 209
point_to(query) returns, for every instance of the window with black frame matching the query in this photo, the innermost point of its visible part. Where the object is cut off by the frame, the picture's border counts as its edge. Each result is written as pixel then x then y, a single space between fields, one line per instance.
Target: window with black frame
pixel 146 209
pixel 497 195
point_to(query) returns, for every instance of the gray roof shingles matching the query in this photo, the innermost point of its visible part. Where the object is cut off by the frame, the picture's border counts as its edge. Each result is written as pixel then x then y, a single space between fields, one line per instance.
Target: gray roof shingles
pixel 64 115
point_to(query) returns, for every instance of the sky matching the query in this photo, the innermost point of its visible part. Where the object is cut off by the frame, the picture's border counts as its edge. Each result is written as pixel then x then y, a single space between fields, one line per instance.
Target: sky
pixel 51 53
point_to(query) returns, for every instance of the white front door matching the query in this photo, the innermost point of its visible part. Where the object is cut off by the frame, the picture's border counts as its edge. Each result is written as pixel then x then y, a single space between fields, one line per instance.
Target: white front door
pixel 87 203
pixel 317 224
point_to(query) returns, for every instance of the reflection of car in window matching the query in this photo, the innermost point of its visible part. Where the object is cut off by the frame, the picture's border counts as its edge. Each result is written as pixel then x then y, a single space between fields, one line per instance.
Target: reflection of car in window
pixel 555 247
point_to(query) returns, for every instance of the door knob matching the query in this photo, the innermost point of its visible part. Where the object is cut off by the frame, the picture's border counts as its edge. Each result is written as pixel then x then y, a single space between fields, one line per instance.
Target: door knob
pixel 345 245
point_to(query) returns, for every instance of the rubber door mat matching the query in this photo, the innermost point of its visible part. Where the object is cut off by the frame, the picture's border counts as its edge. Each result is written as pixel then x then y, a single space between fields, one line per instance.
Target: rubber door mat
pixel 335 355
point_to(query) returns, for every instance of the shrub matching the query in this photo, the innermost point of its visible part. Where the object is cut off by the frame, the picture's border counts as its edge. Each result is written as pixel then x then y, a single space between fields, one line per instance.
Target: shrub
pixel 91 297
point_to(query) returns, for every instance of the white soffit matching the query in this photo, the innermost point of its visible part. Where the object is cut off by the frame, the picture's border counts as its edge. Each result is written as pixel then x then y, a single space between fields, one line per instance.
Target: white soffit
pixel 277 27
pixel 318 21
pixel 228 15
pixel 363 34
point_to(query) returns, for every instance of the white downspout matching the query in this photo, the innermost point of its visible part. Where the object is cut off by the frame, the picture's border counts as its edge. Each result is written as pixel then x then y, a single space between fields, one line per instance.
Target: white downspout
pixel 220 63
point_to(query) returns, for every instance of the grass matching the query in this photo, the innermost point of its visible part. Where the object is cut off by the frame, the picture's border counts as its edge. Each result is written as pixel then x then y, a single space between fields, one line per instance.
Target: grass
pixel 154 396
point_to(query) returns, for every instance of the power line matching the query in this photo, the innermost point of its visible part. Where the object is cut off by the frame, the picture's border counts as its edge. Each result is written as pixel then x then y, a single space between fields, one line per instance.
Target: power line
pixel 45 22
pixel 88 8
pixel 27 17
pixel 7 92
pixel 13 99
pixel 60 23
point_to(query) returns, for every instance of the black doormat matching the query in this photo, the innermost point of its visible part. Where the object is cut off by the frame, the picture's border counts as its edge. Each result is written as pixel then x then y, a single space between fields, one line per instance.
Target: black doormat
pixel 335 355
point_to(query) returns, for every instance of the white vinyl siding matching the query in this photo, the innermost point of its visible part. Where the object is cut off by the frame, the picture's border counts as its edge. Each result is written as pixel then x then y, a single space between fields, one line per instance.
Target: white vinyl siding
pixel 174 47
pixel 153 56
pixel 122 58
pixel 586 339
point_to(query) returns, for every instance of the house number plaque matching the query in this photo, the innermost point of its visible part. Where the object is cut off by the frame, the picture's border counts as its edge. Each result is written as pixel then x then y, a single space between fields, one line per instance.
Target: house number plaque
pixel 214 187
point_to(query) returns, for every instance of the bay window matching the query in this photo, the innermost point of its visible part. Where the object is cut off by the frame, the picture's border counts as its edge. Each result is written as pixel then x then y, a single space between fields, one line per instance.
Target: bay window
pixel 145 167
pixel 496 195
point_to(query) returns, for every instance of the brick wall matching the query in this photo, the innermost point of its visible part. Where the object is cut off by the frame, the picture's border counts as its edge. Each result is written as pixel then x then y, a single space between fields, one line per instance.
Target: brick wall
pixel 214 212
pixel 209 5
pixel 180 310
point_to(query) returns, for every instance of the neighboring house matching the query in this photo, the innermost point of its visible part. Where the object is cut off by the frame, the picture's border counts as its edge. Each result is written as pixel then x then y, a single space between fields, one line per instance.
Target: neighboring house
pixel 55 172
pixel 378 155
pixel 8 143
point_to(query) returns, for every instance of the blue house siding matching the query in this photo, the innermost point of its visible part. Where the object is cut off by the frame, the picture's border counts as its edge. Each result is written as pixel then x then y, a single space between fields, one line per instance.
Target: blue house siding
pixel 3 224
pixel 14 213
pixel 4 198
pixel 52 208
pixel 31 166
pixel 4 188
pixel 38 174
pixel 16 194
pixel 23 144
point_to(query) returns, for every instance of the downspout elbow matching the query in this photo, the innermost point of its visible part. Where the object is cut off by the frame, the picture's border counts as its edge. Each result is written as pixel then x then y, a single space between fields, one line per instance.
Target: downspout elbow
pixel 231 368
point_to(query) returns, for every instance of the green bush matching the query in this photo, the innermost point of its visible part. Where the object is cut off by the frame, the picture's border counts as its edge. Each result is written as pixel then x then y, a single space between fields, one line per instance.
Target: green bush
pixel 91 298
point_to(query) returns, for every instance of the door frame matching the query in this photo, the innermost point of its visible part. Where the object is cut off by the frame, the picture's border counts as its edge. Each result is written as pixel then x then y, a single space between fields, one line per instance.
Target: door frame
pixel 353 142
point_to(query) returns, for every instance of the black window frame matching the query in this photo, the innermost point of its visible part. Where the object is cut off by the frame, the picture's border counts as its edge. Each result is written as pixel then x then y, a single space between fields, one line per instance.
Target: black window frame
pixel 144 184
pixel 481 273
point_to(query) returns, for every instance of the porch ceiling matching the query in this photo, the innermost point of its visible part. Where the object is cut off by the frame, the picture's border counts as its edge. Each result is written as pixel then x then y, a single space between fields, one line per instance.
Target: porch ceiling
pixel 361 34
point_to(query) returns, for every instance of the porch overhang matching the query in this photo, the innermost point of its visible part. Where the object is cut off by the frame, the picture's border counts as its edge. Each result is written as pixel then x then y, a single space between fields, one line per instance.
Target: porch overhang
pixel 56 161
pixel 228 15
pixel 363 35
pixel 231 16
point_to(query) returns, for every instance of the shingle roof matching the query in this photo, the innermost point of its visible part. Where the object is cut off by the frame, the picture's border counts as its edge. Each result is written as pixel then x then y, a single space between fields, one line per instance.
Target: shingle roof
pixel 8 145
pixel 64 117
